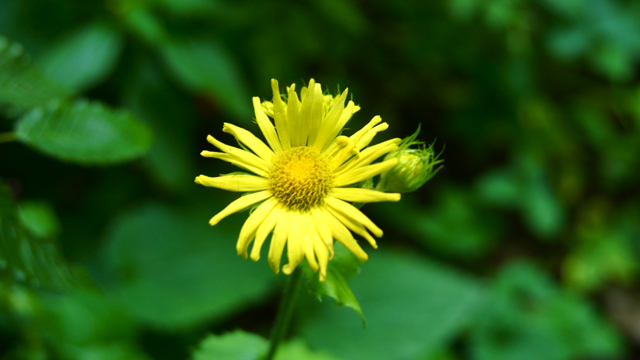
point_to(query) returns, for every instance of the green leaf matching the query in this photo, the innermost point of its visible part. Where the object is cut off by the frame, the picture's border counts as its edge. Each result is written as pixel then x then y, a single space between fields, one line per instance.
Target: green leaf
pixel 454 226
pixel 413 308
pixel 530 317
pixel 298 350
pixel 342 267
pixel 207 68
pixel 39 218
pixel 85 133
pixel 173 270
pixel 604 255
pixel 82 317
pixel 236 345
pixel 102 351
pixel 25 258
pixel 85 58
pixel 151 98
pixel 239 345
pixel 22 85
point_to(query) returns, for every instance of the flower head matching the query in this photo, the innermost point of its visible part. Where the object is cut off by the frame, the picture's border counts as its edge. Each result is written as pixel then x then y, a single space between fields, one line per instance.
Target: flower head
pixel 300 182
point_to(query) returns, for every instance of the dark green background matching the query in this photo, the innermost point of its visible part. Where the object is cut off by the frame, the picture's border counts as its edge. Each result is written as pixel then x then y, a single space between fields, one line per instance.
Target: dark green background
pixel 525 246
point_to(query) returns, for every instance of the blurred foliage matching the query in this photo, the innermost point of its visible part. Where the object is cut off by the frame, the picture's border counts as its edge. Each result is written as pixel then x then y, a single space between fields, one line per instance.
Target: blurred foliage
pixel 524 246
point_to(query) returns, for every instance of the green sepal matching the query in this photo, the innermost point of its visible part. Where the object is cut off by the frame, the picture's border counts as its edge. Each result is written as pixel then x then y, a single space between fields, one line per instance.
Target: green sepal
pixel 341 268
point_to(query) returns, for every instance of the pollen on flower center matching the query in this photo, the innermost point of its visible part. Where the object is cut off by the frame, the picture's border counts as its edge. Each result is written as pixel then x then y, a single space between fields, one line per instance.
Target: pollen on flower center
pixel 300 178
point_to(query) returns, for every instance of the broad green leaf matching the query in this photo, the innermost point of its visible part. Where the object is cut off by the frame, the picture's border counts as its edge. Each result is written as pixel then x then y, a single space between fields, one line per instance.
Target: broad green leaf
pixel 175 271
pixel 25 258
pixel 78 318
pixel 85 58
pixel 414 307
pixel 529 317
pixel 239 345
pixel 22 85
pixel 298 350
pixel 208 68
pixel 342 267
pixel 39 218
pixel 145 26
pixel 85 133
pixel 103 351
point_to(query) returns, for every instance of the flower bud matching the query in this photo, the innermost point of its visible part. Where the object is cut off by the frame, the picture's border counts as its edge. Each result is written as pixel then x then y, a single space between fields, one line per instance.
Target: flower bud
pixel 415 166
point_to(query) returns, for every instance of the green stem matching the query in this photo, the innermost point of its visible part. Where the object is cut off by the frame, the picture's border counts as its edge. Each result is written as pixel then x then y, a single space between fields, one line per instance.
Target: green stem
pixel 7 137
pixel 285 311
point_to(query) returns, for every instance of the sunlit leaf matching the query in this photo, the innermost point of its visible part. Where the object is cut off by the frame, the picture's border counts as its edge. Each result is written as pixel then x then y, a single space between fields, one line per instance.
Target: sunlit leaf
pixel 85 133
pixel 342 267
pixel 413 308
pixel 239 345
pixel 175 271
pixel 232 346
pixel 84 58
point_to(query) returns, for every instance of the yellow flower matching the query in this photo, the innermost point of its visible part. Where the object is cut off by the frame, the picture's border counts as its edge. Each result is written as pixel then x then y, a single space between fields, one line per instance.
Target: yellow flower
pixel 302 178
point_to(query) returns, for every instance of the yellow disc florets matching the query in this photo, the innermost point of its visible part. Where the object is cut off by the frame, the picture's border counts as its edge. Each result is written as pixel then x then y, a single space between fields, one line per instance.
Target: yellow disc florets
pixel 300 178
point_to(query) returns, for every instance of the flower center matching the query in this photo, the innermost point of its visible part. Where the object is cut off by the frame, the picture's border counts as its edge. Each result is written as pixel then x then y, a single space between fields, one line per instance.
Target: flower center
pixel 300 178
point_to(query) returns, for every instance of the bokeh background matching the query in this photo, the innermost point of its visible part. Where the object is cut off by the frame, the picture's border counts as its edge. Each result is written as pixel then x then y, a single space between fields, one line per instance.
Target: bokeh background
pixel 524 246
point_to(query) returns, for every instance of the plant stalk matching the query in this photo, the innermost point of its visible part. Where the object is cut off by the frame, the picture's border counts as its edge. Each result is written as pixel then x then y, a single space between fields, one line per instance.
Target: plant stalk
pixel 285 311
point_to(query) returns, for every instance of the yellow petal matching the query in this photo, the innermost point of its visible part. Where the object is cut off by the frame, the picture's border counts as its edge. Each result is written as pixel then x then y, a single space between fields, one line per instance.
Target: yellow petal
pixel 267 107
pixel 322 253
pixel 251 141
pixel 342 234
pixel 358 195
pixel 278 240
pixel 235 161
pixel 234 182
pixel 330 126
pixel 344 149
pixel 240 155
pixel 266 126
pixel 369 155
pixel 239 205
pixel 368 136
pixel 309 234
pixel 280 116
pixel 248 231
pixel 264 230
pixel 323 228
pixel 354 226
pixel 351 212
pixel 295 250
pixel 362 132
pixel 293 117
pixel 365 172
pixel 311 111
